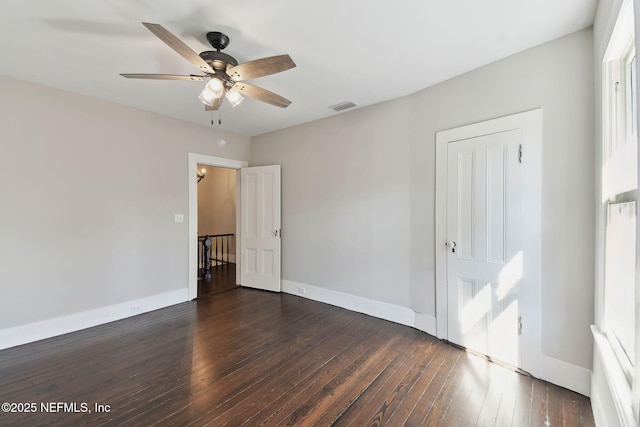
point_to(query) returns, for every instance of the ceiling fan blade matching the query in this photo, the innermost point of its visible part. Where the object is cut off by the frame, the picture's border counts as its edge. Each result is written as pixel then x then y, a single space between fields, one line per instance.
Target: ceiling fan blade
pixel 261 94
pixel 179 46
pixel 215 106
pixel 163 76
pixel 261 67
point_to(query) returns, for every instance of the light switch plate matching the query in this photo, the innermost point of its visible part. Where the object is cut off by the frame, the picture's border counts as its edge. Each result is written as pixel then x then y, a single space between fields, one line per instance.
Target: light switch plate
pixel 179 217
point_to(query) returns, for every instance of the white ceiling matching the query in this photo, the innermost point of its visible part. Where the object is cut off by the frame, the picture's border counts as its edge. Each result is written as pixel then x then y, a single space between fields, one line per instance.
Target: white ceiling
pixel 364 51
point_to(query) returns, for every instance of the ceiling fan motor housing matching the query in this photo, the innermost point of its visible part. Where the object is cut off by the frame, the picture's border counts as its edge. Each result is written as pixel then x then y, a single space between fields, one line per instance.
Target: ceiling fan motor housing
pixel 217 60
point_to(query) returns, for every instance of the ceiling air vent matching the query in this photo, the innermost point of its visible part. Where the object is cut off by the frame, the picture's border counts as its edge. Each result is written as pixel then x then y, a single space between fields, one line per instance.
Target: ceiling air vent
pixel 342 106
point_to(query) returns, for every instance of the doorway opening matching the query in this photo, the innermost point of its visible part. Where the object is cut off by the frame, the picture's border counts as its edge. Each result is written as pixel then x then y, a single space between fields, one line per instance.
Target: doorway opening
pixel 217 208
pixel 207 161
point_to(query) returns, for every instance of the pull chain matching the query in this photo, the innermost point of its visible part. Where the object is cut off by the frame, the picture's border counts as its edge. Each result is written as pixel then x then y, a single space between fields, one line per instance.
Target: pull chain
pixel 219 117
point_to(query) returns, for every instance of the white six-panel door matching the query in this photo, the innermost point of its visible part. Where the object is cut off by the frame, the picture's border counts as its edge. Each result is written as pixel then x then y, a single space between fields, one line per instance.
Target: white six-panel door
pixel 484 249
pixel 260 227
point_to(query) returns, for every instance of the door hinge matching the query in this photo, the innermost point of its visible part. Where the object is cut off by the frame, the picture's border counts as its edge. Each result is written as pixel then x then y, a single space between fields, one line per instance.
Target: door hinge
pixel 520 154
pixel 519 325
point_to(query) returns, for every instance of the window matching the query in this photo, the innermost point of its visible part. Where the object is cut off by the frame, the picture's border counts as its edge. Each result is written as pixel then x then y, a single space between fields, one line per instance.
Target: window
pixel 619 198
pixel 619 298
pixel 619 181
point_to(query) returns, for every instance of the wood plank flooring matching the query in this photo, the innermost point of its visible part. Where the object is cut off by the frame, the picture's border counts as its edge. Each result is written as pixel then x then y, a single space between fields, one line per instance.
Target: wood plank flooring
pixel 223 278
pixel 250 358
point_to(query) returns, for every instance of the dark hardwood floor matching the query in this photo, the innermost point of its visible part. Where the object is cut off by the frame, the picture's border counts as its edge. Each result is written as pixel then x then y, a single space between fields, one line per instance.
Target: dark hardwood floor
pixel 223 278
pixel 252 358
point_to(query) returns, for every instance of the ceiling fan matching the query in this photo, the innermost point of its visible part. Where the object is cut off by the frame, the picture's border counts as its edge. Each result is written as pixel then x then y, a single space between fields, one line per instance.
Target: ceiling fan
pixel 225 74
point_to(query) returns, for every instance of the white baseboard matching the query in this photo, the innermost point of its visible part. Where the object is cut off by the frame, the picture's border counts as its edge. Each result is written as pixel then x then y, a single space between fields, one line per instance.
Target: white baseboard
pixel 566 375
pixel 23 334
pixel 425 323
pixel 381 310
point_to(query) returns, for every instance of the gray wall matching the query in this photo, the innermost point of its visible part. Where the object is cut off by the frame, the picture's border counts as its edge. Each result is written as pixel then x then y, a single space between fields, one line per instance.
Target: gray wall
pixel 89 190
pixel 358 188
pixel 346 221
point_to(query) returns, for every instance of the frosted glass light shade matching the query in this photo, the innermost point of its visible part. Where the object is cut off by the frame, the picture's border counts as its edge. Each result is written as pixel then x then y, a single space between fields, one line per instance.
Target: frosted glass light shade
pixel 213 90
pixel 234 97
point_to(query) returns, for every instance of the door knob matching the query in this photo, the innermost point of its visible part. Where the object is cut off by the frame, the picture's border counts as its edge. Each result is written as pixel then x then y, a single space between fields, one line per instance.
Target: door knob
pixel 452 245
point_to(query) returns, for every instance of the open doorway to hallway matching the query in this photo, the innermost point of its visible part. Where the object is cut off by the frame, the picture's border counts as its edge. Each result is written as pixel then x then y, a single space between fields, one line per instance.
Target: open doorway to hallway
pixel 216 190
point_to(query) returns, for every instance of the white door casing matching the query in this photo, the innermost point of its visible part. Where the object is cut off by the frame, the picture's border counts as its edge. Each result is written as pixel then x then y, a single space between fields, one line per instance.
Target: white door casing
pixel 493 277
pixel 260 227
pixel 484 256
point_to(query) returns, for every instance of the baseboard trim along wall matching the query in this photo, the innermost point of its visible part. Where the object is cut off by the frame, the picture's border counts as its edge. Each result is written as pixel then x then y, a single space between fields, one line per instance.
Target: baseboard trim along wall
pixel 425 323
pixel 553 370
pixel 566 375
pixel 381 310
pixel 23 334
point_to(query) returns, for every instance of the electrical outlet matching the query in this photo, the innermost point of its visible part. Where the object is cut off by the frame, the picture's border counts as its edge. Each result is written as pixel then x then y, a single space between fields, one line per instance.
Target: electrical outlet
pixel 179 218
pixel 135 309
pixel 301 290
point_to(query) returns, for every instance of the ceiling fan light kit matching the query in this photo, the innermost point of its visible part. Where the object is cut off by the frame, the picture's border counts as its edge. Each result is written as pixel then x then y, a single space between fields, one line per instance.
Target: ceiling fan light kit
pixel 212 91
pixel 223 71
